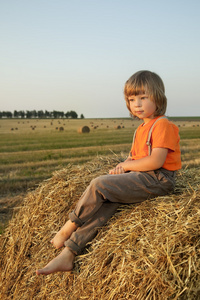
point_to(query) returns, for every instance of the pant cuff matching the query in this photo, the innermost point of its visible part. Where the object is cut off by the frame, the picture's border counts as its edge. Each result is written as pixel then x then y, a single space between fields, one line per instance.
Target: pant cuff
pixel 73 246
pixel 73 218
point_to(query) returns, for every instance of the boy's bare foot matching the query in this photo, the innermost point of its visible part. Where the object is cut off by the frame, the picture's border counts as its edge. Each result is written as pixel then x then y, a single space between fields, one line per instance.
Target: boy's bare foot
pixel 62 263
pixel 63 234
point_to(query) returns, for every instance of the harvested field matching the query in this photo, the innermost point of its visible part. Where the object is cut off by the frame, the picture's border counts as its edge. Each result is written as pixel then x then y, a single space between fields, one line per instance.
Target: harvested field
pixel 146 251
pixel 29 156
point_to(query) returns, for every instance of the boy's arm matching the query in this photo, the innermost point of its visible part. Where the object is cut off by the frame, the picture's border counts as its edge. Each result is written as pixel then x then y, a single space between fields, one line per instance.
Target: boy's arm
pixel 148 163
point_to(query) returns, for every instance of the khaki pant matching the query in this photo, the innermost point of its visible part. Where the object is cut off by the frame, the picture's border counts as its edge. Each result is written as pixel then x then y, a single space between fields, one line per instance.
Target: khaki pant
pixel 104 195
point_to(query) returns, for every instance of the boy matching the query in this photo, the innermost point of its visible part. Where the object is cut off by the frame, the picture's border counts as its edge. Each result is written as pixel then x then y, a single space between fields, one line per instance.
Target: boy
pixel 149 171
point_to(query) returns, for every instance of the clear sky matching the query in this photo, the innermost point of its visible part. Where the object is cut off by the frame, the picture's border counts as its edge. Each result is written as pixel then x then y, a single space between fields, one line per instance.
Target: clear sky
pixel 77 54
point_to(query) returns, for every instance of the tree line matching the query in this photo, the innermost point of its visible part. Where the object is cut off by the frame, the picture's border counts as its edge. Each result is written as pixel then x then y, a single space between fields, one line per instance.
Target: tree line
pixel 40 114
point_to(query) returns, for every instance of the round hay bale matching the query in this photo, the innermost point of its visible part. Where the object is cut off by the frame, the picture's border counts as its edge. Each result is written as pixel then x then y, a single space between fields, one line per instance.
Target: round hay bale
pixel 61 128
pixel 84 129
pixel 148 250
pixel 118 127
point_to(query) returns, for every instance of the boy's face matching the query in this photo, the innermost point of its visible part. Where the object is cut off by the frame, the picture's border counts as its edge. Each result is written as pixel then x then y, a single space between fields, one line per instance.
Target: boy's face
pixel 142 106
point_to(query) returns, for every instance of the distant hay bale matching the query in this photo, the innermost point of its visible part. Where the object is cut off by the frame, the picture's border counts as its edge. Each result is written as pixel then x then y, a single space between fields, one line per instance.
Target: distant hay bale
pixel 84 129
pixel 146 251
pixel 118 127
pixel 61 128
pixel 11 129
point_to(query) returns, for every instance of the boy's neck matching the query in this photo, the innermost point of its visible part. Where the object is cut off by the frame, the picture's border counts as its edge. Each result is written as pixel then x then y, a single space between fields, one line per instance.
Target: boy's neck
pixel 149 120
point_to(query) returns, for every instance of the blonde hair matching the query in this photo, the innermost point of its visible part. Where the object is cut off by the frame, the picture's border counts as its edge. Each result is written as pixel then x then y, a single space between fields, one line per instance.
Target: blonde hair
pixel 150 83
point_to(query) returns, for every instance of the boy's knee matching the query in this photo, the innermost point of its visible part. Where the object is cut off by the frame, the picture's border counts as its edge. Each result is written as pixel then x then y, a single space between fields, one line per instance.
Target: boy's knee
pixel 95 182
pixel 98 182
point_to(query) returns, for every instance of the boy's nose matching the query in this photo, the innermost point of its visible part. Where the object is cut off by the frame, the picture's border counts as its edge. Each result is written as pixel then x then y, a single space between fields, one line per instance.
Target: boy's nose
pixel 137 102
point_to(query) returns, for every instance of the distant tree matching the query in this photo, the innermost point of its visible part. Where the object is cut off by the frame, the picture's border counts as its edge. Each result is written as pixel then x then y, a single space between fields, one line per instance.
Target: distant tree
pixel 21 114
pixel 16 114
pixel 40 114
pixel 28 114
pixel 82 116
pixel 47 114
pixel 67 115
pixel 7 114
pixel 58 114
pixel 71 114
pixel 34 113
pixel 55 114
pixel 61 114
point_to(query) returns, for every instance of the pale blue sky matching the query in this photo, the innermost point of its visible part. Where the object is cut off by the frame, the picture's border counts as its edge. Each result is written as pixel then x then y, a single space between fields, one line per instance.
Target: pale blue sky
pixel 76 55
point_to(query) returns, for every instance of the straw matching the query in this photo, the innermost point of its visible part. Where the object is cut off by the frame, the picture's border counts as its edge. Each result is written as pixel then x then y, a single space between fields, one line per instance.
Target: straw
pixel 146 251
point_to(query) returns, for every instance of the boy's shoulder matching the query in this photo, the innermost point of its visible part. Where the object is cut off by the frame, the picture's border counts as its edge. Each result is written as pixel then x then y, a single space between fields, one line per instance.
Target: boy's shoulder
pixel 164 124
pixel 163 120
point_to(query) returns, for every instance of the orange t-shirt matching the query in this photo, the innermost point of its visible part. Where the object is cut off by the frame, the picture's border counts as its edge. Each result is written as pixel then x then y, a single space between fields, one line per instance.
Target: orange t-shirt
pixel 165 134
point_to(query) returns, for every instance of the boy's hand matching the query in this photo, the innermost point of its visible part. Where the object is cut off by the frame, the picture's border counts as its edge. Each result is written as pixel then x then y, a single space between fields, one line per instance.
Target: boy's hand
pixel 117 170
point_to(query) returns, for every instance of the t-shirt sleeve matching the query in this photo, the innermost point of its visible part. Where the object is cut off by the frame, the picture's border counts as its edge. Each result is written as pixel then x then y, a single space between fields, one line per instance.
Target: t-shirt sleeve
pixel 165 135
